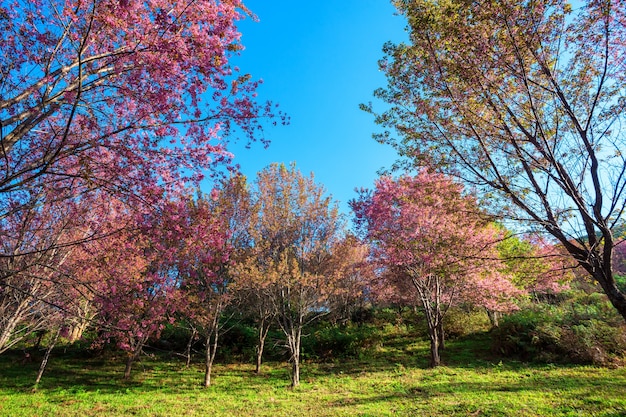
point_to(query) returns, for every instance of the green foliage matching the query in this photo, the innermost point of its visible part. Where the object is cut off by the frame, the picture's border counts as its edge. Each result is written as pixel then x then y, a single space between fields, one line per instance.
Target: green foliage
pixel 583 328
pixel 620 280
pixel 460 322
pixel 174 337
pixel 341 342
pixel 238 343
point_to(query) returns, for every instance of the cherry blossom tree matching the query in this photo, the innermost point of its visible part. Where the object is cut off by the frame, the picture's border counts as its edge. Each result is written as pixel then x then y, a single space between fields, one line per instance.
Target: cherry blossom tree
pixel 217 238
pixel 33 286
pixel 133 276
pixel 433 247
pixel 524 100
pixel 126 97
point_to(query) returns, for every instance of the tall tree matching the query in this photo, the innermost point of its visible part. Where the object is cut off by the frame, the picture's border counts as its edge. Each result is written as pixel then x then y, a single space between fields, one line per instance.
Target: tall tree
pixel 433 247
pixel 134 276
pixel 524 100
pixel 293 233
pixel 217 238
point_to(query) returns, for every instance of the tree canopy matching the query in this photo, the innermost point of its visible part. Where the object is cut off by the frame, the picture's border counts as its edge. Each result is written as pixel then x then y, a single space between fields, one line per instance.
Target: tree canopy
pixel 525 102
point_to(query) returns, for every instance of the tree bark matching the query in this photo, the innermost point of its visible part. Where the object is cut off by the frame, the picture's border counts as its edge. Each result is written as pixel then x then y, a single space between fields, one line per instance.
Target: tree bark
pixel 494 318
pixel 132 357
pixel 615 296
pixel 44 362
pixel 211 348
pixel 208 365
pixel 295 368
pixel 129 365
pixel 435 359
pixel 194 332
pixel 293 341
pixel 441 336
pixel 264 327
pixel 5 334
pixel 259 355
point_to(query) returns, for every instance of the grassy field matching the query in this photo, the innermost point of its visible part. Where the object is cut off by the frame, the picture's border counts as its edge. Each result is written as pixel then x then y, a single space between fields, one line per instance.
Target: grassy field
pixel 394 380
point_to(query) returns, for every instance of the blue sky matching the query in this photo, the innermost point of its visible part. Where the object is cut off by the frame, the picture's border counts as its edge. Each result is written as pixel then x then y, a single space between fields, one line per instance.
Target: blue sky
pixel 318 60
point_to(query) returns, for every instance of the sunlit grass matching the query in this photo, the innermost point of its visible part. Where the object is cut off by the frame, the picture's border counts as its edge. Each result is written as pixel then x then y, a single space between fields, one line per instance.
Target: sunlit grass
pixel 393 380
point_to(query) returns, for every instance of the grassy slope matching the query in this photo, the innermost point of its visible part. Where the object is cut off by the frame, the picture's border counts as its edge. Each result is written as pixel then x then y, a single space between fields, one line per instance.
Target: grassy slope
pixel 392 381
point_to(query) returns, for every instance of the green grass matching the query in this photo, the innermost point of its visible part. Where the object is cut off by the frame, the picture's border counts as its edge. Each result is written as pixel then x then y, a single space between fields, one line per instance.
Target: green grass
pixel 393 380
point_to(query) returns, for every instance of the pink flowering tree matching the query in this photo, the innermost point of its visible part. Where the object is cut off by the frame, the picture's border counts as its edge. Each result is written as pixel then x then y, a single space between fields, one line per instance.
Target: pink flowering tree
pixel 349 263
pixel 134 281
pixel 127 97
pixel 36 246
pixel 434 248
pixel 204 265
pixel 124 99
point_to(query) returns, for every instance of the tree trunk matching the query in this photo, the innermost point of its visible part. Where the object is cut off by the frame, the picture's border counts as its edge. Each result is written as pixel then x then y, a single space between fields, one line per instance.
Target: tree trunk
pixel 264 327
pixel 435 359
pixel 295 368
pixel 211 350
pixel 615 296
pixel 44 362
pixel 494 318
pixel 207 370
pixel 129 365
pixel 194 332
pixel 441 336
pixel 132 357
pixel 77 330
pixel 294 348
pixel 10 325
pixel 80 323
pixel 259 355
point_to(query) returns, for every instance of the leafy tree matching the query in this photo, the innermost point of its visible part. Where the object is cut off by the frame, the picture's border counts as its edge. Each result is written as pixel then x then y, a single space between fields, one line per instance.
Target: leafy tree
pixel 294 229
pixel 134 278
pixel 535 266
pixel 525 101
pixel 254 301
pixel 433 247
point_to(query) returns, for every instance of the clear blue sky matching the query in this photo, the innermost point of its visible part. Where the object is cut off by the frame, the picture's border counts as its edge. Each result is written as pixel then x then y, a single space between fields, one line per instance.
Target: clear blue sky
pixel 318 60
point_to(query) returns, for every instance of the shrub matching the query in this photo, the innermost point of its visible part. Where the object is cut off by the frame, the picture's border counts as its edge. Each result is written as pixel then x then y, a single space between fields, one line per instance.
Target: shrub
pixel 460 322
pixel 583 328
pixel 340 342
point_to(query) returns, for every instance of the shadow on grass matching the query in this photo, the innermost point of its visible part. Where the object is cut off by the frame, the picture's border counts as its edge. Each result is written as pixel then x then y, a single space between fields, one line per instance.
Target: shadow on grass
pixel 68 372
pixel 72 373
pixel 569 394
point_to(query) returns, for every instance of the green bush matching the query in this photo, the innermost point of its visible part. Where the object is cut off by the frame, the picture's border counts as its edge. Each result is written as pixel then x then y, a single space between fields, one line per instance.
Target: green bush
pixel 237 342
pixel 460 322
pixel 340 342
pixel 583 328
